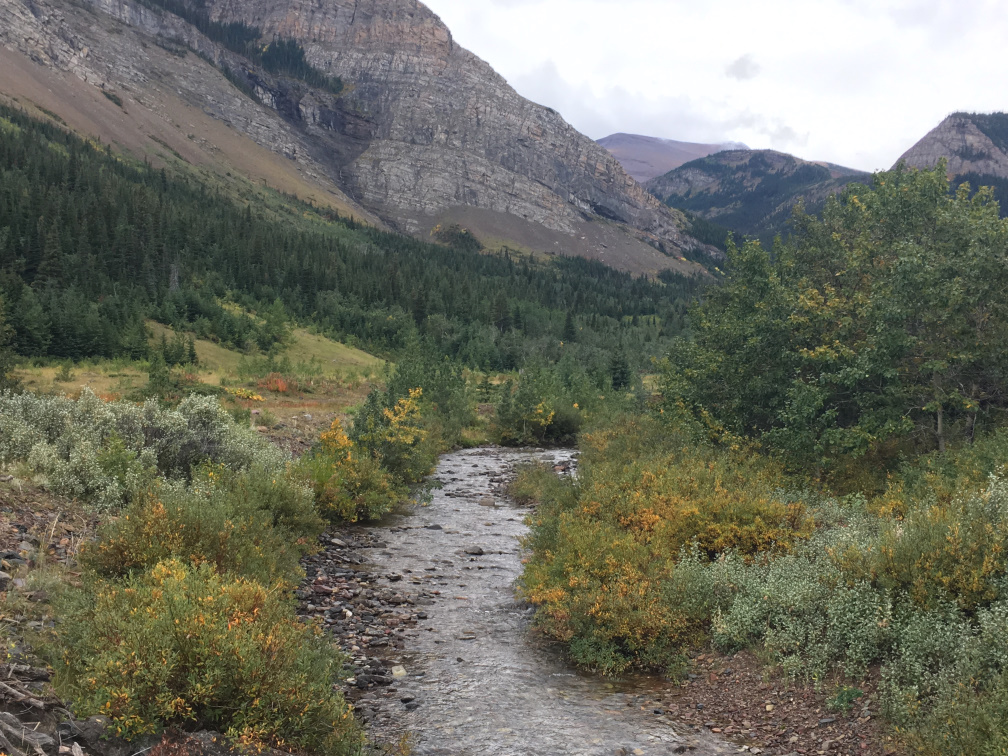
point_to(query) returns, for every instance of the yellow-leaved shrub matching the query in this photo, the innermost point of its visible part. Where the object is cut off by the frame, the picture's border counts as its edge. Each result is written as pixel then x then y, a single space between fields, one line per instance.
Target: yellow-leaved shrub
pixel 350 482
pixel 605 546
pixel 179 645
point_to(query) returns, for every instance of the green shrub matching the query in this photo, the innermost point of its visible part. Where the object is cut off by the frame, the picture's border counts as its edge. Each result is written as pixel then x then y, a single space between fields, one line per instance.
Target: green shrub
pixel 393 433
pixel 183 646
pixel 938 479
pixel 541 408
pixel 256 524
pixel 104 451
pixel 532 482
pixel 843 699
pixel 952 551
pixel 349 484
pixel 64 375
pixel 446 407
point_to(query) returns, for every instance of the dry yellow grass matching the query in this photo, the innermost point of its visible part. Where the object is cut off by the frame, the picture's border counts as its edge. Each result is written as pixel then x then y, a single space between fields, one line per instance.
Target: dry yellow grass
pixel 351 370
pixel 108 379
pixel 335 360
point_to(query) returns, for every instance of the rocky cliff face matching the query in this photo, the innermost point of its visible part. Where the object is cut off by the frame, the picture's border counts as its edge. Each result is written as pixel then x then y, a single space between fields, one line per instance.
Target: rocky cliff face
pixel 971 143
pixel 424 128
pixel 975 146
pixel 446 128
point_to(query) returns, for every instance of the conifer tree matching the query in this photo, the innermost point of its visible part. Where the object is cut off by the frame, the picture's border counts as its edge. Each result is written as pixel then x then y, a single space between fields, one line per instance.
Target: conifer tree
pixel 7 379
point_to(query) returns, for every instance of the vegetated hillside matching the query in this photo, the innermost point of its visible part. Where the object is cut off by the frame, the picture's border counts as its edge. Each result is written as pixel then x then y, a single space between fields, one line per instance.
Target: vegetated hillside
pixel 645 157
pixel 975 146
pixel 751 192
pixel 91 244
pixel 370 102
pixel 866 354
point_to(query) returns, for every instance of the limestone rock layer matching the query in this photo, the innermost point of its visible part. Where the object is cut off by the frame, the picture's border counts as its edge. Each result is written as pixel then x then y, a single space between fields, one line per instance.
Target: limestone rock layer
pixel 422 127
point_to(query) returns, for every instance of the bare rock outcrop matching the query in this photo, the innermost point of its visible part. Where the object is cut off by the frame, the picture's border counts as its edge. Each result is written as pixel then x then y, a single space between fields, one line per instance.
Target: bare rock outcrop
pixel 447 129
pixel 423 125
pixel 963 141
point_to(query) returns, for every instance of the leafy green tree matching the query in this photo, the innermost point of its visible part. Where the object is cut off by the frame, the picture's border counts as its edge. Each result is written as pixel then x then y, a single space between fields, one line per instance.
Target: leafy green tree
pixel 883 319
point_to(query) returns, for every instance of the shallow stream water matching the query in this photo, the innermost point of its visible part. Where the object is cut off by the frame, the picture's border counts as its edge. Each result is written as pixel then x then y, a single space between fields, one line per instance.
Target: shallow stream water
pixel 478 681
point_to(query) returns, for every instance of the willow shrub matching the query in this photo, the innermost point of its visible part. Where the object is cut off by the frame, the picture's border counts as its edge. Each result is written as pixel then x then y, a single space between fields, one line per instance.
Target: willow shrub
pixel 257 524
pixel 943 534
pixel 184 646
pixel 104 452
pixel 392 445
pixel 350 482
pixel 605 546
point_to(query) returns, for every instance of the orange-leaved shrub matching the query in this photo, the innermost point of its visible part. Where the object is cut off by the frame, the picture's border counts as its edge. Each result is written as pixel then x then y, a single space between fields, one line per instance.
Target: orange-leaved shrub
pixel 279 384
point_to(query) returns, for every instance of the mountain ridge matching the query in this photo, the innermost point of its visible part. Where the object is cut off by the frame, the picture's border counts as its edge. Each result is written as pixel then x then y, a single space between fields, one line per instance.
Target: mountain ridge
pixel 645 157
pixel 422 128
pixel 751 192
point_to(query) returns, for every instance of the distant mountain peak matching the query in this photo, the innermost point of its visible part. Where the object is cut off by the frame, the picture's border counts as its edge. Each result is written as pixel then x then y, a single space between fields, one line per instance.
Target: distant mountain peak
pixel 750 192
pixel 645 157
pixel 975 146
pixel 972 143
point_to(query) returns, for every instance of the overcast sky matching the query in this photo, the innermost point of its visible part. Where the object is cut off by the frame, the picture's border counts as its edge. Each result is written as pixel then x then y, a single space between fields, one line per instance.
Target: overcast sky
pixel 854 82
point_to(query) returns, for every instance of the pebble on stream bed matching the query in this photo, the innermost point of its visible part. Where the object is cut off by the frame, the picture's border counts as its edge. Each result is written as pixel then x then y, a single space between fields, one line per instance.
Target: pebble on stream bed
pixel 370 622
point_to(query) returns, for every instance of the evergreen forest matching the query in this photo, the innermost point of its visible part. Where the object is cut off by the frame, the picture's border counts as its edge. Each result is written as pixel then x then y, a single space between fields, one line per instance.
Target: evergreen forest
pixel 93 244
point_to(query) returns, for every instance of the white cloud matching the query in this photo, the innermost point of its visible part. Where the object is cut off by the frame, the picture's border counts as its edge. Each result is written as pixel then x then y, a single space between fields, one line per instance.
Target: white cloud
pixel 855 82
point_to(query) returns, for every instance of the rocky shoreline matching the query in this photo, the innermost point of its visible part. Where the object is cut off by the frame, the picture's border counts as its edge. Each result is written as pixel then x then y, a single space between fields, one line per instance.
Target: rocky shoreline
pixel 370 621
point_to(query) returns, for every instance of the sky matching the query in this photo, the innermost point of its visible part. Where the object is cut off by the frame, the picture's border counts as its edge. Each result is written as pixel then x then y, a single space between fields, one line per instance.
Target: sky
pixel 854 82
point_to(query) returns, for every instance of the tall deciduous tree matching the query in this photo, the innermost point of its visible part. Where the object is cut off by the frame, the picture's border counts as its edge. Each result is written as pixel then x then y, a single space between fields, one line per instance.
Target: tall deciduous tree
pixel 885 318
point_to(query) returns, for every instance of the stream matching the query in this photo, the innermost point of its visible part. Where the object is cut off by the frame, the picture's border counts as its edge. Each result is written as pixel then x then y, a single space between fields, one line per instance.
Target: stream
pixel 477 681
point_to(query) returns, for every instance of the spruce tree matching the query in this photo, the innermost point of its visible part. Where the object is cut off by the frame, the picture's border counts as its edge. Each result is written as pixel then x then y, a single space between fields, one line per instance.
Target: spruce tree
pixel 7 380
pixel 569 330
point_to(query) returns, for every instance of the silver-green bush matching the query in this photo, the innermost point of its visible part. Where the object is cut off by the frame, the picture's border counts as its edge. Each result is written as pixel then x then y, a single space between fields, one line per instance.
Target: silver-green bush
pixel 103 451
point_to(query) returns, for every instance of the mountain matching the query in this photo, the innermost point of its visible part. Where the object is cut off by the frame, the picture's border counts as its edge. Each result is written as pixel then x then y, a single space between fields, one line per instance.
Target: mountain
pixel 750 192
pixel 367 106
pixel 645 157
pixel 975 146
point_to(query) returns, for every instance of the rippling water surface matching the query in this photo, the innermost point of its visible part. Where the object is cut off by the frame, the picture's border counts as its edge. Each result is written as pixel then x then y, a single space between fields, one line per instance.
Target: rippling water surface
pixel 479 681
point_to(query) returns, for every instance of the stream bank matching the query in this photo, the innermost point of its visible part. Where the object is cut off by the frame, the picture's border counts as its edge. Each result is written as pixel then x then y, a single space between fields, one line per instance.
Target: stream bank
pixel 424 603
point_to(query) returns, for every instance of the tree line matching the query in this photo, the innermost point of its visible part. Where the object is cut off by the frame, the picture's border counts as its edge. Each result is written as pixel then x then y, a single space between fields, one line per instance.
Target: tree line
pixel 92 244
pixel 879 327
